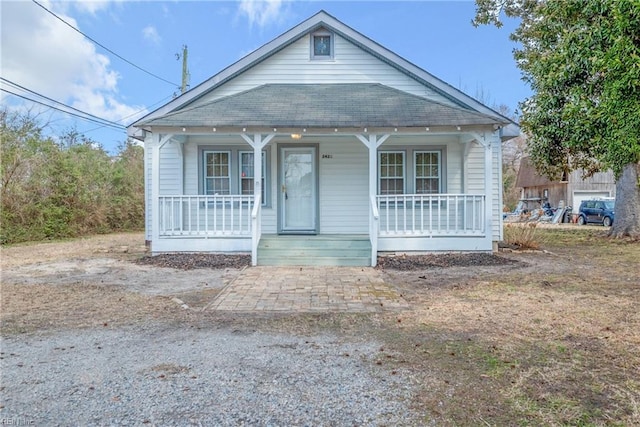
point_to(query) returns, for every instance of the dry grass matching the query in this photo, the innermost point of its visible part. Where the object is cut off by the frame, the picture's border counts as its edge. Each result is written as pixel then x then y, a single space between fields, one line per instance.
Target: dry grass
pixel 126 244
pixel 557 343
pixel 552 340
pixel 522 235
pixel 29 308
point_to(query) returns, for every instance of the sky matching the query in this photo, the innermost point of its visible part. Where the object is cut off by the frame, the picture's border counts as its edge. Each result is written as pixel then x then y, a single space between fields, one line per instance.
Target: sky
pixel 139 70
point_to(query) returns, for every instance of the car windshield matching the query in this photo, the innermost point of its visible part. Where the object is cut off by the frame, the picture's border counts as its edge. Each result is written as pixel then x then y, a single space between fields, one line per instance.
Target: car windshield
pixel 609 205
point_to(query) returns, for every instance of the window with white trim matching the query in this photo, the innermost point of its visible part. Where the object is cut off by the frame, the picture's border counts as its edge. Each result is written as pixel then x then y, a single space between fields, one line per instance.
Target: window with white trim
pixel 247 174
pixel 391 172
pixel 322 45
pixel 427 172
pixel 217 172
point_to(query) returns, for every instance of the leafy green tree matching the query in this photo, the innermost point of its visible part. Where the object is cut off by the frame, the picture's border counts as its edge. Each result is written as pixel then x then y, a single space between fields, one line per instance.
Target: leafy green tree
pixel 582 60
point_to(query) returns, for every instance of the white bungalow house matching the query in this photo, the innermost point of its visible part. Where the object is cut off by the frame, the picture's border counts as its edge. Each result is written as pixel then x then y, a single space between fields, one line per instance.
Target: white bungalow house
pixel 322 147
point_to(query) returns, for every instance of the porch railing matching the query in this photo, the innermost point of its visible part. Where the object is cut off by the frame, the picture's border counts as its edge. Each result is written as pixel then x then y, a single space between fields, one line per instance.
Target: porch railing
pixel 431 214
pixel 202 216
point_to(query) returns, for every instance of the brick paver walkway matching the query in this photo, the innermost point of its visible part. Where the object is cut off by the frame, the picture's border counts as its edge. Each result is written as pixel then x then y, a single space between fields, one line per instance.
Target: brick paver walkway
pixel 308 289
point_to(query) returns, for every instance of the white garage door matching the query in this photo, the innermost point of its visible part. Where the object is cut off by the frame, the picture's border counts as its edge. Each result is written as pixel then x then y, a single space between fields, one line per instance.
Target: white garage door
pixel 579 196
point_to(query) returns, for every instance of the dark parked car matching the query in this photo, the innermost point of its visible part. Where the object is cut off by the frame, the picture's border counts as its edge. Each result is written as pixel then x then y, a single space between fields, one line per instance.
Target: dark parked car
pixel 596 211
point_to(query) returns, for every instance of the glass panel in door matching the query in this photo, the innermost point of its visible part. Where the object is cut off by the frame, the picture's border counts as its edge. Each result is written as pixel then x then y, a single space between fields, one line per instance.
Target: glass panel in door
pixel 298 187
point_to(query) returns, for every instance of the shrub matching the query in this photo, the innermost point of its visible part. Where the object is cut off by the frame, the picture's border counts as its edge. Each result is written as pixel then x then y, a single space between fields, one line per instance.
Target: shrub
pixel 68 187
pixel 522 236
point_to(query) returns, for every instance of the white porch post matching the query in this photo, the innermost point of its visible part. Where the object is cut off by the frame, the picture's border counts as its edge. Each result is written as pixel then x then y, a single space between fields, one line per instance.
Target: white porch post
pixel 157 144
pixel 488 198
pixel 257 143
pixel 155 189
pixel 487 143
pixel 372 143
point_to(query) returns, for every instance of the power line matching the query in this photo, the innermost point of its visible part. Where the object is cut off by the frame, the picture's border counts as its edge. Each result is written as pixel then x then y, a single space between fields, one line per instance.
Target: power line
pixel 107 124
pixel 100 120
pixel 104 47
pixel 133 114
pixel 146 108
pixel 60 103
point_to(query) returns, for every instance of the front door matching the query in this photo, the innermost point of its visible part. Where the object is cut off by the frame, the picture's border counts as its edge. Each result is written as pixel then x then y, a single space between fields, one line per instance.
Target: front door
pixel 298 190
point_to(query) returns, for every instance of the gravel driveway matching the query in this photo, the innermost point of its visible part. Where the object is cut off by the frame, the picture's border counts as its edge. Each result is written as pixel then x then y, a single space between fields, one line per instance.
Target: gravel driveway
pixel 162 375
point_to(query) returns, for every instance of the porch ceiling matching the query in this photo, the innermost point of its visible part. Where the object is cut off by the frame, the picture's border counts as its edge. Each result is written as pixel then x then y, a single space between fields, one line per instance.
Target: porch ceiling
pixel 323 106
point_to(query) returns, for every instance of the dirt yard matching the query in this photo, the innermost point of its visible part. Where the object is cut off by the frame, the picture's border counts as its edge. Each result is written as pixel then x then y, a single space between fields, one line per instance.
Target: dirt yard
pixel 549 337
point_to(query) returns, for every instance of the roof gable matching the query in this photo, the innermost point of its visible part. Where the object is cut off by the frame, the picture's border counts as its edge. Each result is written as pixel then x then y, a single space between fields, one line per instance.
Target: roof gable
pixel 328 22
pixel 529 177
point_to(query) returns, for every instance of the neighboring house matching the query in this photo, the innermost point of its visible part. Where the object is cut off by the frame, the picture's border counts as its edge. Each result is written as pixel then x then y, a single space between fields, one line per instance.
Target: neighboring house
pixel 323 147
pixel 569 191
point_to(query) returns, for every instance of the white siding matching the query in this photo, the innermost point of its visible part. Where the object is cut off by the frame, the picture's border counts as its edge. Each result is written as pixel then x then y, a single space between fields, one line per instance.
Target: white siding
pixel 455 174
pixel 344 187
pixel 191 171
pixel 170 169
pixel 474 174
pixel 497 188
pixel 474 179
pixel 351 64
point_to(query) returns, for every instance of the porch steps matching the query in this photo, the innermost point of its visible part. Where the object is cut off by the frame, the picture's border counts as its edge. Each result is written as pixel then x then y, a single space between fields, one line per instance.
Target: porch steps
pixel 334 250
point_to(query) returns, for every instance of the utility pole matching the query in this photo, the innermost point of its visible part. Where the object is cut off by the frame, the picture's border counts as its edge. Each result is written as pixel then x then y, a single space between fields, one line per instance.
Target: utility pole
pixel 185 69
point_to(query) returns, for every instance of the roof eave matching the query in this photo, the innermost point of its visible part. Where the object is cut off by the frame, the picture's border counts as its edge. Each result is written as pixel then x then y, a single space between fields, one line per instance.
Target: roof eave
pixel 232 130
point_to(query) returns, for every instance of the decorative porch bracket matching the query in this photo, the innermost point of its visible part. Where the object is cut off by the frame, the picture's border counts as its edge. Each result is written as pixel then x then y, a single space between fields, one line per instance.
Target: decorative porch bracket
pixel 257 143
pixel 372 142
pixel 157 143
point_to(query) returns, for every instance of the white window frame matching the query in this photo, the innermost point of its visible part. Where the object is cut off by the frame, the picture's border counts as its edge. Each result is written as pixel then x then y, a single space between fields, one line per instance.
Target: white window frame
pixel 322 33
pixel 437 176
pixel 207 177
pixel 395 177
pixel 263 186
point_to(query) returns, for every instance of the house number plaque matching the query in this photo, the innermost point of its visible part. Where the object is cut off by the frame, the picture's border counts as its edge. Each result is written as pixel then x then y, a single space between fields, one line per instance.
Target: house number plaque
pixel 327 156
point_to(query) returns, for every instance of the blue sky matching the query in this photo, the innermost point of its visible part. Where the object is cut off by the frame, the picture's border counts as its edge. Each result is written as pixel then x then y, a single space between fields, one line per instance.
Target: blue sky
pixel 41 53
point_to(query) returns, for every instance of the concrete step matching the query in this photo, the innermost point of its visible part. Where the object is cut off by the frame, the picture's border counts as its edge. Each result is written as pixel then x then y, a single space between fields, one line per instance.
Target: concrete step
pixel 315 261
pixel 338 250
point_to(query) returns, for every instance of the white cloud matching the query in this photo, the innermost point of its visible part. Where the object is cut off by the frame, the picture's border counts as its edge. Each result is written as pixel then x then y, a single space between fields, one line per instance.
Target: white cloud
pixel 43 54
pixel 91 6
pixel 263 12
pixel 151 34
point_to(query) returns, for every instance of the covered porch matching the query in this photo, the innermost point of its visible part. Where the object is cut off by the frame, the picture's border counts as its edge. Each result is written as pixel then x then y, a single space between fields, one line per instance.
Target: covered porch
pixel 456 221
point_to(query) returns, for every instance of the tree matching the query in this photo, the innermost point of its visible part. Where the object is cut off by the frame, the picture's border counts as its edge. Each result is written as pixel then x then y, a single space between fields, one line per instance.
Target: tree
pixel 582 60
pixel 513 152
pixel 64 186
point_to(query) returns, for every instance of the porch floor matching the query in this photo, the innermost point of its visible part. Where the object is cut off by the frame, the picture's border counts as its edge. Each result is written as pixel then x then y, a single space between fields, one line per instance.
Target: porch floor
pixel 308 289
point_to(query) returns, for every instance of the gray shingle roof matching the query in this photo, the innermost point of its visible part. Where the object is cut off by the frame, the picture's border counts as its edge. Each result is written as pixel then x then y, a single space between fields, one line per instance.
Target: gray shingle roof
pixel 323 106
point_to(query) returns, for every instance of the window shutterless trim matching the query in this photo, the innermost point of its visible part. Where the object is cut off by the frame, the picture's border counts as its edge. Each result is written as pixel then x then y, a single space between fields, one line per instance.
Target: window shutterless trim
pixel 207 177
pixel 425 177
pixel 312 46
pixel 392 177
